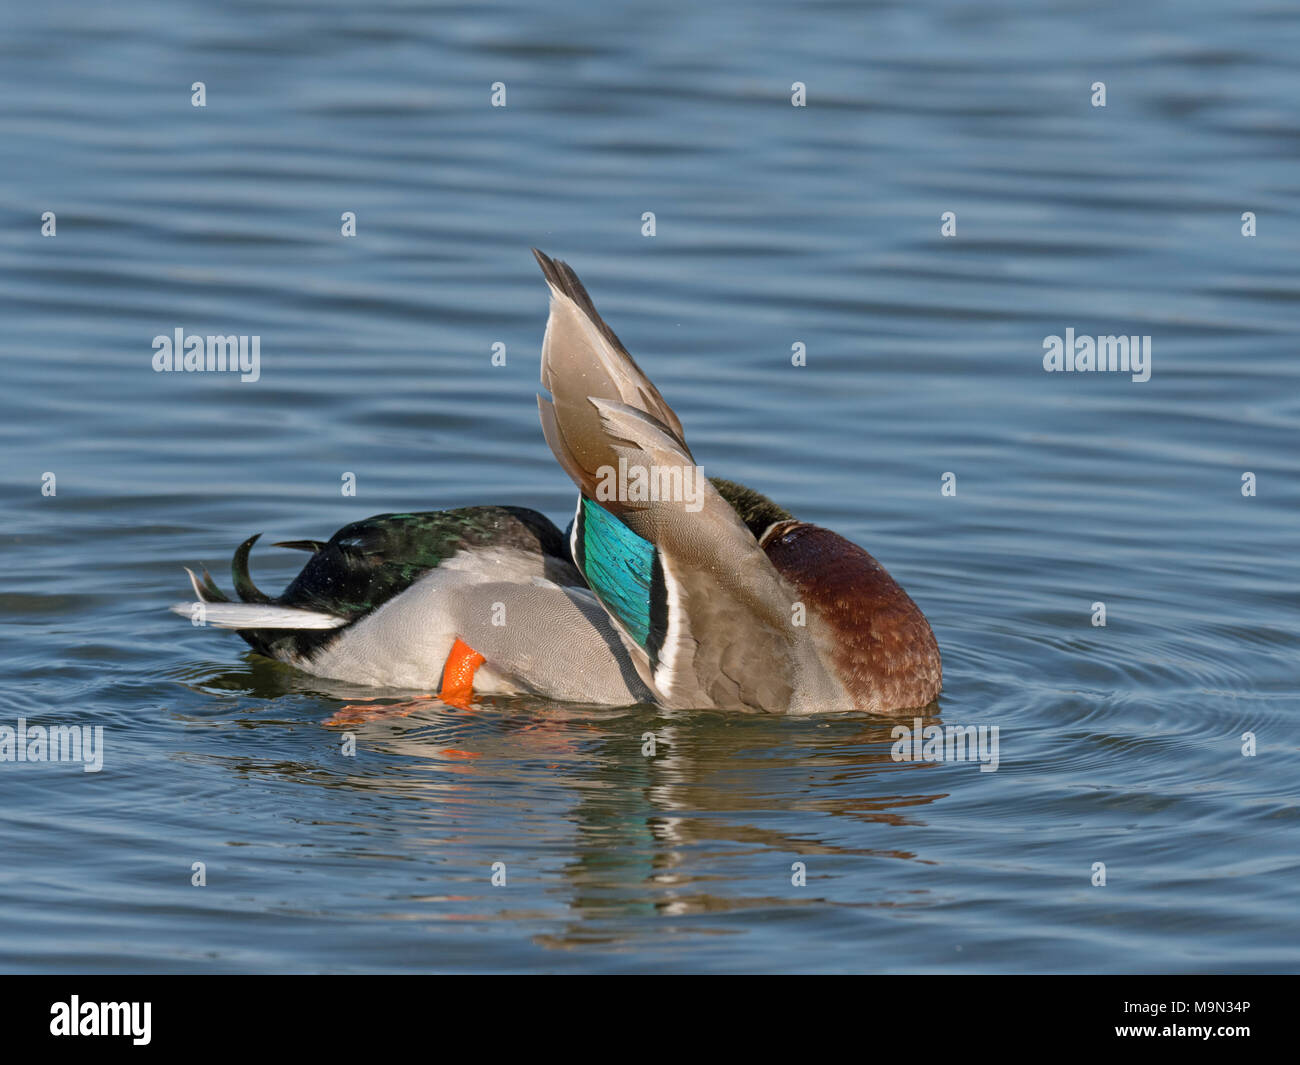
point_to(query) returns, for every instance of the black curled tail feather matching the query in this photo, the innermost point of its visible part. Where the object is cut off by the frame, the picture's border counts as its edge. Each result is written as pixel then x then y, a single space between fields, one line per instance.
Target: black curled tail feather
pixel 211 592
pixel 244 586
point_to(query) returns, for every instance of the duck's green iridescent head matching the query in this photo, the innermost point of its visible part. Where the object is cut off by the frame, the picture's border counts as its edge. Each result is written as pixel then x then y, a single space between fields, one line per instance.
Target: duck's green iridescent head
pixel 754 509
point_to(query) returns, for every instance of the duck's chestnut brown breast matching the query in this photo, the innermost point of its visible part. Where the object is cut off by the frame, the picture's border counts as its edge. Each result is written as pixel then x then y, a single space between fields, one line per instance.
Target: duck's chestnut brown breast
pixel 882 647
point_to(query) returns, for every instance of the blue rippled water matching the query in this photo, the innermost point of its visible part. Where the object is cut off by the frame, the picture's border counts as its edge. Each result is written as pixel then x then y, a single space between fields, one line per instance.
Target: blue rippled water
pixel 775 225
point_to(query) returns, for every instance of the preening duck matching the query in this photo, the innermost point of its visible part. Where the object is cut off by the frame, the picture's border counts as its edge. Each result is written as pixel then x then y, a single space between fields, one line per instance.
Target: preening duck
pixel 673 589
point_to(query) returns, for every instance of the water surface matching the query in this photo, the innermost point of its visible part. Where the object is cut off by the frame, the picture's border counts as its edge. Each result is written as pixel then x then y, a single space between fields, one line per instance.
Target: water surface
pixel 776 225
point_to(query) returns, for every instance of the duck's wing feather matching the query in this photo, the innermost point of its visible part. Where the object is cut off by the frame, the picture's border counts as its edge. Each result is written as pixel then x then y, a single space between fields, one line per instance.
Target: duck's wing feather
pixel 706 617
pixel 580 347
pixel 365 564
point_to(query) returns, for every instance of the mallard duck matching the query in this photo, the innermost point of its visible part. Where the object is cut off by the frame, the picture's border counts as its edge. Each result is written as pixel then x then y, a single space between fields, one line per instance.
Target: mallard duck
pixel 670 588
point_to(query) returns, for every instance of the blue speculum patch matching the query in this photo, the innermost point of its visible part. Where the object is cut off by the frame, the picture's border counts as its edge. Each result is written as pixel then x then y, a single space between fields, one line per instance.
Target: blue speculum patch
pixel 619 566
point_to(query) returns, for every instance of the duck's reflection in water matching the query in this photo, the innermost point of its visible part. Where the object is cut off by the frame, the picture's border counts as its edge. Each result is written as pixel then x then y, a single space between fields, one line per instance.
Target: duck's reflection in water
pixel 608 819
pixel 660 812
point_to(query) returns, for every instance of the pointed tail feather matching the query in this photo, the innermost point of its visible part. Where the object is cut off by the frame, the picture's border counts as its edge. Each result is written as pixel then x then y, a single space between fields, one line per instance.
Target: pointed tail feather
pixel 256 616
pixel 211 592
pixel 302 545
